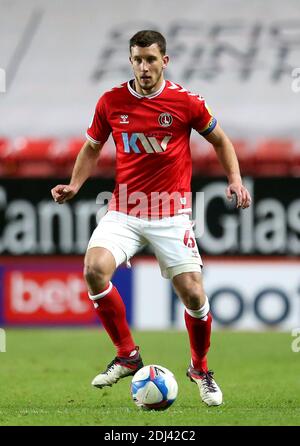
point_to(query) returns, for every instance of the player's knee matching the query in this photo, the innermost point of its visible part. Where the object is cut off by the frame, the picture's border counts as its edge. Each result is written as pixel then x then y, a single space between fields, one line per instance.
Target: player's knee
pixel 192 296
pixel 96 274
pixel 192 301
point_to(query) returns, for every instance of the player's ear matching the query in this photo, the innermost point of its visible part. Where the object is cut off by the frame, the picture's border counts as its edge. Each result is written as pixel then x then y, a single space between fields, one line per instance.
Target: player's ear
pixel 165 60
pixel 130 59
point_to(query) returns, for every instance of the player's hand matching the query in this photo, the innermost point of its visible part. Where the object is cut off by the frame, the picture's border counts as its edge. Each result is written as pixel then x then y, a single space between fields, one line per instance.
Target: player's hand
pixel 238 192
pixel 63 192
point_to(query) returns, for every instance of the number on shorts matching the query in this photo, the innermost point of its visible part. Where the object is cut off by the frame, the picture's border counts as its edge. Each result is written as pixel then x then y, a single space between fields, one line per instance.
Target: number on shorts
pixel 189 240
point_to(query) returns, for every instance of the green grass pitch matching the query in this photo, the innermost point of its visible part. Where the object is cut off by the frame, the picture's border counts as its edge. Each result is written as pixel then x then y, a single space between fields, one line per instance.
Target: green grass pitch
pixel 45 378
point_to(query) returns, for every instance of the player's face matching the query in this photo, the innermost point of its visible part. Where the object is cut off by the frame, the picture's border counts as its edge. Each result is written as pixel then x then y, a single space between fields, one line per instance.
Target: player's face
pixel 148 64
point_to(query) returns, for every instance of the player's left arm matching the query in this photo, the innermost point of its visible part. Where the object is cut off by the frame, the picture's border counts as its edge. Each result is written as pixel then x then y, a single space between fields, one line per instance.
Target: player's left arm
pixel 227 157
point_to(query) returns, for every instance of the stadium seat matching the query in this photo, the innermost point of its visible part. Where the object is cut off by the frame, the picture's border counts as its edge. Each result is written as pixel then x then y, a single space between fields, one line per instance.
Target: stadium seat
pixel 295 161
pixel 72 148
pixel 29 157
pixel 245 156
pixel 30 149
pixel 4 143
pixel 273 157
pixel 64 153
pixel 55 157
pixel 4 148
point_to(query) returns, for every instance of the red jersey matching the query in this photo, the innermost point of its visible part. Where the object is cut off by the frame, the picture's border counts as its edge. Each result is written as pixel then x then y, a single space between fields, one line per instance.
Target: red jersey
pixel 151 134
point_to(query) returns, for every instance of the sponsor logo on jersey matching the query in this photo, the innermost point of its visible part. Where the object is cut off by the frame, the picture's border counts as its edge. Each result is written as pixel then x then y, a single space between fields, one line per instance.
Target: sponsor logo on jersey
pixel 148 144
pixel 165 119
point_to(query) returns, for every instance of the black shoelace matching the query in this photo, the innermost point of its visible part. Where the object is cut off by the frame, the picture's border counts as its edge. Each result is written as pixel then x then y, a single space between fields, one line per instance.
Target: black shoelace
pixel 111 365
pixel 208 379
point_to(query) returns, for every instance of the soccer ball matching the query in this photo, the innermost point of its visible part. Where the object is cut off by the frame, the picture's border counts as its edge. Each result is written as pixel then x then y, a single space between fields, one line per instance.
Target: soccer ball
pixel 154 387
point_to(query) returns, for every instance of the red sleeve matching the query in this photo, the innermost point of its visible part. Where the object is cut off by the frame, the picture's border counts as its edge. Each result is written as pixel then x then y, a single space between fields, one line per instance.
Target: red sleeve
pixel 202 119
pixel 99 129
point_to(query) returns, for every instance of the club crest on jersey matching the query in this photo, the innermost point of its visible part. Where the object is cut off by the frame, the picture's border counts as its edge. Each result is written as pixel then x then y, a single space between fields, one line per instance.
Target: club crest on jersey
pixel 124 119
pixel 165 119
pixel 139 143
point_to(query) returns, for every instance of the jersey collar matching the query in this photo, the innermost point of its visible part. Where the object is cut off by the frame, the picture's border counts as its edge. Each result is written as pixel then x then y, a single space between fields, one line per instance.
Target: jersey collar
pixel 148 96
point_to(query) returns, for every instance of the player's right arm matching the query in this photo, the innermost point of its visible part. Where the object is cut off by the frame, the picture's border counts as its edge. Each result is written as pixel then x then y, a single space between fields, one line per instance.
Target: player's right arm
pixel 97 134
pixel 85 164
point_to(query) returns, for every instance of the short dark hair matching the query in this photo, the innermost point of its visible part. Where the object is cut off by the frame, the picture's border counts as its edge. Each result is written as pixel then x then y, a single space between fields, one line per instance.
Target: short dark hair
pixel 148 37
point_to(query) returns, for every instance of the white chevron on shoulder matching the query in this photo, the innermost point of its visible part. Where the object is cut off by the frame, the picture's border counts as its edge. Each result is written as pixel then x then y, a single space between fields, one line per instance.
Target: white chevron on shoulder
pixel 173 86
pixel 116 87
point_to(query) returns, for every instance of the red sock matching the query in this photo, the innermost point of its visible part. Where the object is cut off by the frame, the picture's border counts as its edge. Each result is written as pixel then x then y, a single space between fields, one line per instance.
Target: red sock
pixel 199 333
pixel 112 312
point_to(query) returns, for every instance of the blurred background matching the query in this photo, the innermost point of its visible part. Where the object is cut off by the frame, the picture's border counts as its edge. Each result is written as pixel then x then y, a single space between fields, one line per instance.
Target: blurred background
pixel 56 59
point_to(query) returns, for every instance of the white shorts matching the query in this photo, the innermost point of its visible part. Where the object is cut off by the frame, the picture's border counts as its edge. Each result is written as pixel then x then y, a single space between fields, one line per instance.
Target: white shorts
pixel 172 239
